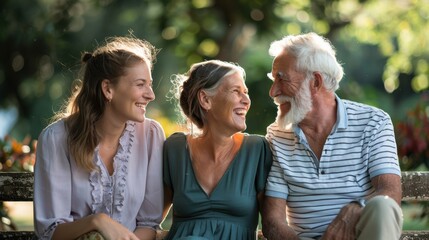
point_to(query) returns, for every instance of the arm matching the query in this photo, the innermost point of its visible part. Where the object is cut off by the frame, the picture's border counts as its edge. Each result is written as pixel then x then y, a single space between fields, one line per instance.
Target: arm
pixel 106 226
pixel 274 225
pixel 145 233
pixel 383 164
pixel 52 198
pixel 168 200
pixel 53 193
pixel 260 198
pixel 384 171
pixel 343 226
pixel 149 216
pixel 264 166
pixel 168 183
pixel 387 185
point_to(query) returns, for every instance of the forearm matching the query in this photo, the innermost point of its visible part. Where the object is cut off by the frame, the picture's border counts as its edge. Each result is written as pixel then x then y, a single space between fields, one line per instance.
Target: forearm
pixel 102 223
pixel 145 233
pixel 75 229
pixel 274 225
pixel 275 230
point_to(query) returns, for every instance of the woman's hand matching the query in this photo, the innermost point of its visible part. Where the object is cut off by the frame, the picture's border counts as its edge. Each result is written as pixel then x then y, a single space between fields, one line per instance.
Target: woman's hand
pixel 111 229
pixel 102 223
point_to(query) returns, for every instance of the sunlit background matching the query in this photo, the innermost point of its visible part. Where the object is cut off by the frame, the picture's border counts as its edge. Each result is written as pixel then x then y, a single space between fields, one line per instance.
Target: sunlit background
pixel 383 45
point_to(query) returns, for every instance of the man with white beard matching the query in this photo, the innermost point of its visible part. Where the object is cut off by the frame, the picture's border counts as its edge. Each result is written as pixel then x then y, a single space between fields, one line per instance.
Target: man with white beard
pixel 335 173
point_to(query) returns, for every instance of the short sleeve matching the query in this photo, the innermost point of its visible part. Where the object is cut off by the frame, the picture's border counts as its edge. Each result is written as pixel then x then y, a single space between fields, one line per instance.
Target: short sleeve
pixel 382 150
pixel 173 146
pixel 264 165
pixel 276 184
pixel 52 181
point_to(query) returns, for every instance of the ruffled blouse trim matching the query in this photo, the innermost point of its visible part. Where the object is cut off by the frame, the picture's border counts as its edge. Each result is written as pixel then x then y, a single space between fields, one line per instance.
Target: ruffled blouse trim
pixel 108 192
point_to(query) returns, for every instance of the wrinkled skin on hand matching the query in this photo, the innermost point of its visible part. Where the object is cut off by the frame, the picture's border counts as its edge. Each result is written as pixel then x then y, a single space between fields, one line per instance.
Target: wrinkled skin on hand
pixel 344 225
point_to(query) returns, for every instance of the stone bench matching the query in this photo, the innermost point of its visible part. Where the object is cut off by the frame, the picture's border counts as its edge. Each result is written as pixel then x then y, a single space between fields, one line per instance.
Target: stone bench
pixel 19 187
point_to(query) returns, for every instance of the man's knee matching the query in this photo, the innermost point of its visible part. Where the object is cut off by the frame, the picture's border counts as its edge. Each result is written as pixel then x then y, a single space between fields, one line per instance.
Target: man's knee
pixel 381 219
pixel 382 207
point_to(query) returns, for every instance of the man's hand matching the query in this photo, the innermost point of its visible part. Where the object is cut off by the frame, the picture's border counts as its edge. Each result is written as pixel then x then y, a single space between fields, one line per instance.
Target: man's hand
pixel 343 226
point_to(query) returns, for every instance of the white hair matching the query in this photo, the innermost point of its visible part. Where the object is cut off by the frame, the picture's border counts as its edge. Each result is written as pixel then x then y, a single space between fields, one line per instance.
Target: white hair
pixel 313 53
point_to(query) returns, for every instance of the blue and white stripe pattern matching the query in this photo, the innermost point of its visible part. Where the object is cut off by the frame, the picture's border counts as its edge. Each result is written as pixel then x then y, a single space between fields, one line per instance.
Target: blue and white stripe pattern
pixel 360 146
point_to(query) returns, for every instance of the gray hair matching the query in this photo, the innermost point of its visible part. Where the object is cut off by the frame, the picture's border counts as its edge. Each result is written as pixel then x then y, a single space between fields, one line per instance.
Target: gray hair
pixel 313 53
pixel 206 76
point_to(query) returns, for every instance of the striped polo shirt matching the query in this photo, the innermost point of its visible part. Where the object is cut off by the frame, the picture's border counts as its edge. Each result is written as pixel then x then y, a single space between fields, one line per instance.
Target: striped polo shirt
pixel 360 146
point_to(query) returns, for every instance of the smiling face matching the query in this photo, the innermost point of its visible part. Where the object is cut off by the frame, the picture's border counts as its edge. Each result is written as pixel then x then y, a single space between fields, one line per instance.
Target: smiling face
pixel 132 93
pixel 290 91
pixel 230 105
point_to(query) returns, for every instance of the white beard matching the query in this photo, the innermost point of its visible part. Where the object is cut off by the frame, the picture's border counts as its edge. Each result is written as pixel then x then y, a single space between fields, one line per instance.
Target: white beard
pixel 301 105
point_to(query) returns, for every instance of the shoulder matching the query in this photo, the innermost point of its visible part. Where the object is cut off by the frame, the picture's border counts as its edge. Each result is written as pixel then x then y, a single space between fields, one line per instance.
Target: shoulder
pixel 54 130
pixel 253 140
pixel 57 126
pixel 151 129
pixel 257 146
pixel 273 130
pixel 358 111
pixel 175 148
pixel 53 138
pixel 175 138
pixel 256 138
pixel 153 125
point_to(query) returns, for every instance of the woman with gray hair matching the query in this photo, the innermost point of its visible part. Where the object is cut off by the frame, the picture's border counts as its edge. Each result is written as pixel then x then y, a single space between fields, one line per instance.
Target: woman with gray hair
pixel 214 177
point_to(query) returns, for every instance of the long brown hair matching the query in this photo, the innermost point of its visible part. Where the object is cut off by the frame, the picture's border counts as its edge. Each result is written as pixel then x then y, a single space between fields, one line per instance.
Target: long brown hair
pixel 87 103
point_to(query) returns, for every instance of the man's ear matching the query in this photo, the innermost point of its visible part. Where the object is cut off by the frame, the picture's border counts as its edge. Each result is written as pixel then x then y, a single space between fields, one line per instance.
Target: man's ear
pixel 317 81
pixel 204 100
pixel 107 90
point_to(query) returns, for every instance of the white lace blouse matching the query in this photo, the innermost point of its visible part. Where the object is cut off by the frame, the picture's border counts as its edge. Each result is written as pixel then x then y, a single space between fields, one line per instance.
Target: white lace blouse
pixel 132 195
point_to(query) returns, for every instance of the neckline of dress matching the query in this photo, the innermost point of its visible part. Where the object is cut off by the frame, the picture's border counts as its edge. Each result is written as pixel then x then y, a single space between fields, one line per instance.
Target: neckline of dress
pixel 230 166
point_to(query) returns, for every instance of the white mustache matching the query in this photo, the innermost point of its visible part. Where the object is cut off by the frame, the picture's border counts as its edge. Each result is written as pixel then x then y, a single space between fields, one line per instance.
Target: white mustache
pixel 282 99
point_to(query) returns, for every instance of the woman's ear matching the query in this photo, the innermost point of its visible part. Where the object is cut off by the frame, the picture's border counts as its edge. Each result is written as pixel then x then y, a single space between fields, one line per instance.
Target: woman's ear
pixel 204 100
pixel 107 90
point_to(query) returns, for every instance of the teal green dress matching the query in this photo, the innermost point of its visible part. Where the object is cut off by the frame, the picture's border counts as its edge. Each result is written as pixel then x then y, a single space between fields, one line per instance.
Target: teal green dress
pixel 231 211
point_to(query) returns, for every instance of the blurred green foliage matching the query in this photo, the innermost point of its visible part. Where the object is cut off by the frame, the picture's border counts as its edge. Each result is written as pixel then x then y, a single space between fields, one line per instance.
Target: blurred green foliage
pixel 382 45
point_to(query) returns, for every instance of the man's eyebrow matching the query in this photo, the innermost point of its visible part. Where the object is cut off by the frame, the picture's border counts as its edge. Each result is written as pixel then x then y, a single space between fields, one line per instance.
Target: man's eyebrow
pixel 279 75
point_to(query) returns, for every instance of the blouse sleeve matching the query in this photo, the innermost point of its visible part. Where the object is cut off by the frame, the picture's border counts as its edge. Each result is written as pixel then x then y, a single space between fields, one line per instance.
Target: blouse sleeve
pixel 52 181
pixel 264 165
pixel 150 214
